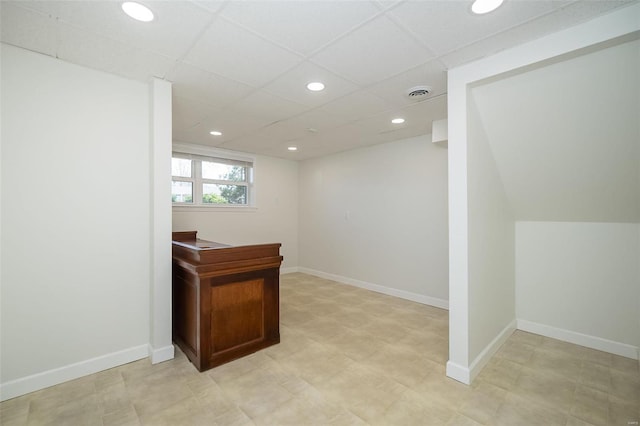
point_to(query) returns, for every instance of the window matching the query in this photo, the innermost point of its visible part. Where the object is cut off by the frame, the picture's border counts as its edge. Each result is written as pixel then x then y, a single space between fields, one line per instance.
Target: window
pixel 210 180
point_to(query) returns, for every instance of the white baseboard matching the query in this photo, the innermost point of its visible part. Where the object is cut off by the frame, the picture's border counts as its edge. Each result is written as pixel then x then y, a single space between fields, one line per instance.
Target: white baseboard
pixel 290 270
pixel 481 360
pixel 458 372
pixel 161 354
pixel 24 385
pixel 425 300
pixel 617 348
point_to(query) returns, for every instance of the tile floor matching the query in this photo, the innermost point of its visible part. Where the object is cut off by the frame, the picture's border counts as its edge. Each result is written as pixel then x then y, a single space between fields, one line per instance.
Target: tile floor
pixel 351 357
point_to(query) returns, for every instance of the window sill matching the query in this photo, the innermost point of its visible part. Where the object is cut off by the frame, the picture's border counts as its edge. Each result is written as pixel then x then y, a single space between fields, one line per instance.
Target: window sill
pixel 213 208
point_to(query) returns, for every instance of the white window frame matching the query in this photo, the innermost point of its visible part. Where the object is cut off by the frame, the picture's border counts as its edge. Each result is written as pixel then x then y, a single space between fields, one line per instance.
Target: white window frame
pixel 201 152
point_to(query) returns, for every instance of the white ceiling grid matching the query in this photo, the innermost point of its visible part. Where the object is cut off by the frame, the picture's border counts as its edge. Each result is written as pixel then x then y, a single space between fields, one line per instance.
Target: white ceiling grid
pixel 241 67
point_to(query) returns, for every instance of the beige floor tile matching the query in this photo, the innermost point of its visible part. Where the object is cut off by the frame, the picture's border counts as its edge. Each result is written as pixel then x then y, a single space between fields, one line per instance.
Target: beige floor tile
pixel 551 390
pixel 483 404
pixel 516 352
pixel 124 417
pixel 443 390
pixel 559 363
pixel 572 421
pixel 625 365
pixel 413 408
pixel 625 385
pixel 591 406
pixel 362 391
pixel 461 420
pixel 400 362
pixel 349 356
pixel 501 372
pixel 594 375
pixel 517 410
pixel 623 412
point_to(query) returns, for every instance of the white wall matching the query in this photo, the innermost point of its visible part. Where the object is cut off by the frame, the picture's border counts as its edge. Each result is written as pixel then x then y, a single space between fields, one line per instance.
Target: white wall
pixel 462 298
pixel 275 219
pixel 491 244
pixel 75 212
pixel 377 217
pixel 580 281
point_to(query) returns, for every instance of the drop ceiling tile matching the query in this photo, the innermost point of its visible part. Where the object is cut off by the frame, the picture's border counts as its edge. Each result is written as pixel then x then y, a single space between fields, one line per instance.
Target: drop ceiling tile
pixel 394 90
pixel 302 26
pixel 572 14
pixel 193 83
pixel 356 106
pixel 188 113
pixel 431 21
pixel 293 85
pixel 27 28
pixel 254 143
pixel 265 106
pixel 303 126
pixel 210 5
pixel 230 51
pixel 174 29
pixel 373 52
pixel 418 118
pixel 94 51
pixel 320 120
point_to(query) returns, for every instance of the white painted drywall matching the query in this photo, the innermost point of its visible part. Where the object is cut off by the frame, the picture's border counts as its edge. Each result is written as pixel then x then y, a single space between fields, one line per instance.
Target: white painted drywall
pixel 566 138
pixel 75 214
pixel 378 215
pixel 160 125
pixel 580 277
pixel 275 219
pixel 620 23
pixel 491 242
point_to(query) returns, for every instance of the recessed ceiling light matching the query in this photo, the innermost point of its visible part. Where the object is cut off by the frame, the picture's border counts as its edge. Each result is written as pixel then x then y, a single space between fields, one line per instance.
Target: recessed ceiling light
pixel 215 133
pixel 137 11
pixel 292 148
pixel 480 7
pixel 397 120
pixel 315 86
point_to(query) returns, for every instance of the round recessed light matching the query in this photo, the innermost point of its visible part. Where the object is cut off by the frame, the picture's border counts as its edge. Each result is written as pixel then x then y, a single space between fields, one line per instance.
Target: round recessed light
pixel 480 7
pixel 397 120
pixel 137 11
pixel 292 148
pixel 215 133
pixel 315 86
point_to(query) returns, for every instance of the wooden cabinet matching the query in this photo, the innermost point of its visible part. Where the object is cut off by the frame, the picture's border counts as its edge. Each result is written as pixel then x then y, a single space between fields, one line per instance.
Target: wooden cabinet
pixel 226 299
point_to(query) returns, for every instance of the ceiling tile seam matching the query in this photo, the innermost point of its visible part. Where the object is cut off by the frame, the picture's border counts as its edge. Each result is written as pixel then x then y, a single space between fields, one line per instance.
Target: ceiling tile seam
pixel 58 42
pixel 25 6
pixel 195 40
pixel 60 20
pixel 398 23
pixel 512 27
pixel 262 37
pixel 314 52
pixel 211 74
pixel 204 8
pixel 336 39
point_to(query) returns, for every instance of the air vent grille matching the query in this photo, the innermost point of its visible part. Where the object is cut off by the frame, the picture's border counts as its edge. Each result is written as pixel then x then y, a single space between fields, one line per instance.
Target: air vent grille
pixel 418 93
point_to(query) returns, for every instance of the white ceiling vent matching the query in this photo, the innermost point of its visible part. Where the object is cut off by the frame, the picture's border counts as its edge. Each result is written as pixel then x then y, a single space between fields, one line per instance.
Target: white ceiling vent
pixel 418 93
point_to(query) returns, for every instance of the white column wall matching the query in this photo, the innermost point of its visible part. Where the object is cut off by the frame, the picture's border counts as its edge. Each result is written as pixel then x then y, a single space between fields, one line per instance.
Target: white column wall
pixel 75 221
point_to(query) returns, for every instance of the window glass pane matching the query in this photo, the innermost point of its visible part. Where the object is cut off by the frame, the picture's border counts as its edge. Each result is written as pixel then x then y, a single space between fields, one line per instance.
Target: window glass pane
pixel 218 171
pixel 180 167
pixel 181 192
pixel 224 194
